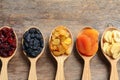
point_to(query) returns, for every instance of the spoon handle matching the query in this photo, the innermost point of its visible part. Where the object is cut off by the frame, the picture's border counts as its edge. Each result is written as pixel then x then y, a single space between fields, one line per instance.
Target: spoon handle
pixel 86 72
pixel 114 73
pixel 32 73
pixel 4 75
pixel 60 70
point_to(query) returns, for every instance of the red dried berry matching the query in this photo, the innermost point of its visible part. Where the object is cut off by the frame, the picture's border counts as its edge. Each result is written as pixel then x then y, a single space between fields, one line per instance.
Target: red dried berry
pixel 7 42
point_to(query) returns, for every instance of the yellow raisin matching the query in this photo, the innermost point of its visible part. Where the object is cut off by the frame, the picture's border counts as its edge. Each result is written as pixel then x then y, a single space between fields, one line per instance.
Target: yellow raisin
pixel 56 42
pixel 68 41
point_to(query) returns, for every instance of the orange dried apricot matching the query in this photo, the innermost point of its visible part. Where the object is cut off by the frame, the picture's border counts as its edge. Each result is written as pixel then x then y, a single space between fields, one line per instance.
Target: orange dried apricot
pixel 87 42
pixel 91 33
pixel 83 43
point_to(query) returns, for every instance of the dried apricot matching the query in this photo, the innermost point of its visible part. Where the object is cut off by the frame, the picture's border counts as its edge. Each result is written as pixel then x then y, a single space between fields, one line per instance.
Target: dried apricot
pixel 87 42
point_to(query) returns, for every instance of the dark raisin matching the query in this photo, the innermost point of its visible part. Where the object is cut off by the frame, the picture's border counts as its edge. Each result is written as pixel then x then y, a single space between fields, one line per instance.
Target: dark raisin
pixel 32 30
pixel 25 35
pixel 27 38
pixel 32 35
pixel 32 48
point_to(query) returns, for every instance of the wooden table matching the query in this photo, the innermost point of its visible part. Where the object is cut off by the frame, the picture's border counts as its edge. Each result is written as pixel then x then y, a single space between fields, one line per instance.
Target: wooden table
pixel 46 14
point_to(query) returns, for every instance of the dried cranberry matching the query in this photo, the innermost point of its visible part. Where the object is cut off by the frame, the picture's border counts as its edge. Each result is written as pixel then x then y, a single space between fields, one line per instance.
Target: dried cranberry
pixel 7 42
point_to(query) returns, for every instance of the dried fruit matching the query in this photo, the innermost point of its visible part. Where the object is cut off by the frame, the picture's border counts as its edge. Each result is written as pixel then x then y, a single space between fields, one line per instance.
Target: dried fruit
pixel 56 42
pixel 67 41
pixel 33 42
pixel 111 45
pixel 87 42
pixel 7 42
pixel 116 35
pixel 108 36
pixel 60 41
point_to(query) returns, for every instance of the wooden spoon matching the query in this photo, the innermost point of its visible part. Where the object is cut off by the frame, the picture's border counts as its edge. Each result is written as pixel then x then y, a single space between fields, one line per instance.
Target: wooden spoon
pixel 113 62
pixel 86 72
pixel 5 60
pixel 60 60
pixel 32 72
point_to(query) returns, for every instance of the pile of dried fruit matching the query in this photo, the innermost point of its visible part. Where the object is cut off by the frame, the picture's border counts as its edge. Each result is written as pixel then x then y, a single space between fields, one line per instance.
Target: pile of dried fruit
pixel 33 42
pixel 7 42
pixel 111 45
pixel 61 41
pixel 87 41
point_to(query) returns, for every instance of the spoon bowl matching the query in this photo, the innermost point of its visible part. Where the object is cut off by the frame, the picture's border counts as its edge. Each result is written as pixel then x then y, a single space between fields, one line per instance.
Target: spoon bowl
pixel 86 72
pixel 5 60
pixel 61 59
pixel 32 72
pixel 113 62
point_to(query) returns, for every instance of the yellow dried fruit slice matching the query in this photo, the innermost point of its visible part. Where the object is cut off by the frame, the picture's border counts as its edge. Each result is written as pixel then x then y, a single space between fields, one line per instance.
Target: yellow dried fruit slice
pixel 116 35
pixel 108 52
pixel 108 36
pixel 115 56
pixel 105 46
pixel 115 50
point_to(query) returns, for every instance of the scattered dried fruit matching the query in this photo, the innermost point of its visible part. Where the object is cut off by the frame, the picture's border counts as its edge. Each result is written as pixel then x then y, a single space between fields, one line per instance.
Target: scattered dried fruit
pixel 60 41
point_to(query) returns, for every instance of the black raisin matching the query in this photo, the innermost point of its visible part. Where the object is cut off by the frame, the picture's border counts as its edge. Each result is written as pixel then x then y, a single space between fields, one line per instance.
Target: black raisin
pixel 33 42
pixel 32 30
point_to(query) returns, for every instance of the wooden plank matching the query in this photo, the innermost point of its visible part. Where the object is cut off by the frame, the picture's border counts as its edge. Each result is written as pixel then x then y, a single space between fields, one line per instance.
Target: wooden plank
pixel 46 14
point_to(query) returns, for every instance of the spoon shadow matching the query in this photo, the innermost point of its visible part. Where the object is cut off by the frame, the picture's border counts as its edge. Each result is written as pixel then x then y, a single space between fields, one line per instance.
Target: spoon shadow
pixel 51 58
pixel 104 60
pixel 25 60
pixel 79 58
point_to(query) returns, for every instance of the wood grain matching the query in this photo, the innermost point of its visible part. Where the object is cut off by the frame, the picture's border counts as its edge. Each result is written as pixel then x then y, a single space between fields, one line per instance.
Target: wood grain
pixel 46 14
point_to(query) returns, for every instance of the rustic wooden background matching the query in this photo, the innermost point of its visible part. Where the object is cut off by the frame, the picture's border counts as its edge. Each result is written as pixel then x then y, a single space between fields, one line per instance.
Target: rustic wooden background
pixel 46 14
